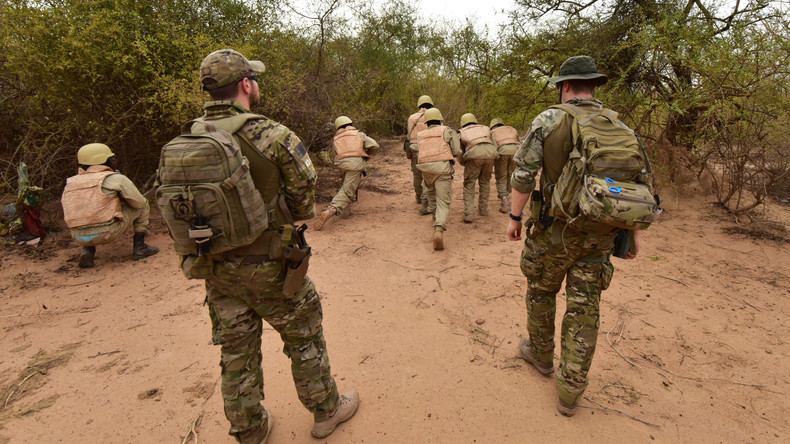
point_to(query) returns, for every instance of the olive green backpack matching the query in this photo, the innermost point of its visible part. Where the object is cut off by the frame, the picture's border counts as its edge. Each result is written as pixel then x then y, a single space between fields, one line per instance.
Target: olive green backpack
pixel 206 193
pixel 607 182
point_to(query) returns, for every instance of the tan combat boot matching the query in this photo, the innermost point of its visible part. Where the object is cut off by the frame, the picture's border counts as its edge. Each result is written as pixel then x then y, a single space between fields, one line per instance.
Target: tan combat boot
pixel 347 407
pixel 329 212
pixel 504 205
pixel 545 368
pixel 438 238
pixel 259 435
pixel 566 409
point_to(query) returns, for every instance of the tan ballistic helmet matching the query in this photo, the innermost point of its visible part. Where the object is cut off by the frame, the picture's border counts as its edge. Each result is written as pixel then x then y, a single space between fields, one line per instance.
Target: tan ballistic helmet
pixel 423 100
pixel 433 114
pixel 468 118
pixel 94 154
pixel 226 66
pixel 496 122
pixel 340 121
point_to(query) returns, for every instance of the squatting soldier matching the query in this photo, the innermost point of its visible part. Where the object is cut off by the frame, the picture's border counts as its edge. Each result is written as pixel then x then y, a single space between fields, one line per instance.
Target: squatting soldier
pixel 507 143
pixel 557 251
pixel 264 280
pixel 438 145
pixel 479 155
pixel 414 125
pixel 99 204
pixel 351 147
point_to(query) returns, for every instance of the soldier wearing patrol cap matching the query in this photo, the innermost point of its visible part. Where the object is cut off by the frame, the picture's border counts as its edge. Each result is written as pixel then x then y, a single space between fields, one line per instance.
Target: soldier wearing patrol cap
pixel 99 204
pixel 351 148
pixel 246 286
pixel 414 125
pixel 556 251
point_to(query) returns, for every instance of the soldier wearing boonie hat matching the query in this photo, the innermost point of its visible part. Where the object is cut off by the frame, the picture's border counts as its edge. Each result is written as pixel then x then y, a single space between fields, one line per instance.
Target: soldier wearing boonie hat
pixel 556 252
pixel 247 285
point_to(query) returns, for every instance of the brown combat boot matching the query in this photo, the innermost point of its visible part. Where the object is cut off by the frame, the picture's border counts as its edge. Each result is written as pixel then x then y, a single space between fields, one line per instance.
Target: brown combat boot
pixel 259 435
pixel 483 210
pixel 86 257
pixel 545 368
pixel 504 205
pixel 438 239
pixel 419 197
pixel 347 407
pixel 325 216
pixel 566 409
pixel 469 218
pixel 424 211
pixel 141 250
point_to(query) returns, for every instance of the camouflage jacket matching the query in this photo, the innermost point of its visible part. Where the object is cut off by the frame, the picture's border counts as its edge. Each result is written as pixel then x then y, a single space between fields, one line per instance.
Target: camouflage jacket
pixel 277 143
pixel 546 147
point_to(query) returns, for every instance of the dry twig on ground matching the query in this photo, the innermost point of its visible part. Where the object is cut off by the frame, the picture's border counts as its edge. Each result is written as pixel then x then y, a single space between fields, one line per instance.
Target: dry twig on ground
pixel 621 412
pixel 191 432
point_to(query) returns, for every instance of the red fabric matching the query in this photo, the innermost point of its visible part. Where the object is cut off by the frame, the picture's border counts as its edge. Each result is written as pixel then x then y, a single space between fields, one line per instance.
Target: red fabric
pixel 32 222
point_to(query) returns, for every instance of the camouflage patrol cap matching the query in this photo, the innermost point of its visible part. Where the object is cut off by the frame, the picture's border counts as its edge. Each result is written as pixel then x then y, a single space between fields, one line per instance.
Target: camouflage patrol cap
pixel 226 66
pixel 579 68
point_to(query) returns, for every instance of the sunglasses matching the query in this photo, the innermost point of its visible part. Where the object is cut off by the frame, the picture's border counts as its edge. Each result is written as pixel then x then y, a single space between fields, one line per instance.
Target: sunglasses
pixel 252 77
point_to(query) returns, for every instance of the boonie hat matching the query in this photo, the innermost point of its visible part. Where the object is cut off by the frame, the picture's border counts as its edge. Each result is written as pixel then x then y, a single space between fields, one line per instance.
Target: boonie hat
pixel 226 66
pixel 579 68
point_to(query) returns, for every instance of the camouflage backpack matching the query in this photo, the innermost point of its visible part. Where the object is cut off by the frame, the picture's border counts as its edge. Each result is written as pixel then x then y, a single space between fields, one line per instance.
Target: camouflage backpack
pixel 607 182
pixel 206 193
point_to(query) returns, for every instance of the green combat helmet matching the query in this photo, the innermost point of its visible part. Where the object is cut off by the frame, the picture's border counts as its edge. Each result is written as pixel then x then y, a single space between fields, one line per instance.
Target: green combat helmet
pixel 423 100
pixel 579 68
pixel 433 114
pixel 225 67
pixel 495 123
pixel 340 121
pixel 94 154
pixel 467 119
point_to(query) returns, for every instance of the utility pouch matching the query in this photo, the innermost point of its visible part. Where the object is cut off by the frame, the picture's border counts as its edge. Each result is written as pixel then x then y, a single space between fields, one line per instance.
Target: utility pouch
pixel 297 259
pixel 407 148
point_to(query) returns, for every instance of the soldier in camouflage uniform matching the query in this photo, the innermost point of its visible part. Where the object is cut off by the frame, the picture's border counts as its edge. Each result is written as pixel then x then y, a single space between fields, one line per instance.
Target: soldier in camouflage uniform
pixel 245 286
pixel 556 252
pixel 351 148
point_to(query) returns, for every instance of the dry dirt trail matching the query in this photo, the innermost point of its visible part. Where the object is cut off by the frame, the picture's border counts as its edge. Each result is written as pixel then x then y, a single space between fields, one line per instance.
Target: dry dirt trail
pixel 693 339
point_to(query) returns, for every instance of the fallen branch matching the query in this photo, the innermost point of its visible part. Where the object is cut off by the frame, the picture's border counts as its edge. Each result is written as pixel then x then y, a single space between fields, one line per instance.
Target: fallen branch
pixel 404 266
pixel 104 353
pixel 620 412
pixel 621 323
pixel 675 280
pixel 18 387
pixel 191 432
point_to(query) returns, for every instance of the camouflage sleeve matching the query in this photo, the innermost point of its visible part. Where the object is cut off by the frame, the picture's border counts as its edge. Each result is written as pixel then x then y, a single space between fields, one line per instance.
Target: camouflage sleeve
pixel 298 176
pixel 529 158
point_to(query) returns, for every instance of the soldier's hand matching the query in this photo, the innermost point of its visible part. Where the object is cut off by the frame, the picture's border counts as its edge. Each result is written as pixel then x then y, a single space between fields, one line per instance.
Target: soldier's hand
pixel 631 255
pixel 514 230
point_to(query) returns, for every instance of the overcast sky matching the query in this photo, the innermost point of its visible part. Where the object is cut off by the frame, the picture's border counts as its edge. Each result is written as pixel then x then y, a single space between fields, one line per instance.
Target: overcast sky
pixel 484 11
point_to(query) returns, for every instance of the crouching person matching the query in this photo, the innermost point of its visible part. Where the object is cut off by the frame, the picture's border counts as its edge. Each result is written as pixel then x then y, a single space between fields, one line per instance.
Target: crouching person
pixel 99 204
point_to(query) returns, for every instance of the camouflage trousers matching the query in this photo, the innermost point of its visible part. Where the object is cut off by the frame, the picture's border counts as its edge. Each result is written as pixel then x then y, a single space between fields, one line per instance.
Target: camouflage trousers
pixel 582 261
pixel 503 168
pixel 101 234
pixel 417 181
pixel 347 192
pixel 477 171
pixel 439 192
pixel 240 297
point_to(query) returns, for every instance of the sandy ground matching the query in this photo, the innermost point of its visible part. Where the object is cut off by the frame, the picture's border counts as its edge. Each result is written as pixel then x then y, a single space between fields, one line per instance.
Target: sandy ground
pixel 692 345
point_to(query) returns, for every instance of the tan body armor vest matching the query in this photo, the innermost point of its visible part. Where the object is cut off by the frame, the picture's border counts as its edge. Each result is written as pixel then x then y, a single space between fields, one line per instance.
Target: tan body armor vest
pixel 83 201
pixel 416 125
pixel 432 146
pixel 505 135
pixel 472 135
pixel 349 144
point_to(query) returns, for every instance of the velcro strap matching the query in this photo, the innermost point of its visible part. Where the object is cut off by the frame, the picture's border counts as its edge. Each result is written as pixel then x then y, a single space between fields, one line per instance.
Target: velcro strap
pixel 234 178
pixel 197 233
pixel 286 235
